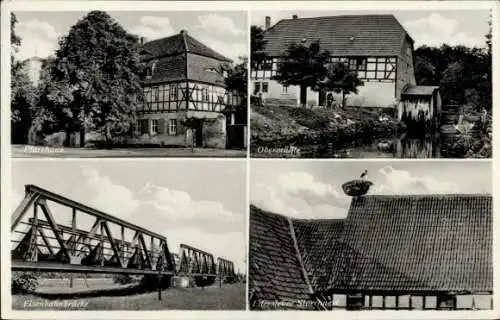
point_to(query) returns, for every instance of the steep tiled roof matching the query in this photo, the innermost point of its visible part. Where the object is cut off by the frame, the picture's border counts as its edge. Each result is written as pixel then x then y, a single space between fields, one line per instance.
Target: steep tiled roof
pixel 317 239
pixel 386 243
pixel 179 43
pixel 275 271
pixel 420 90
pixel 350 35
pixel 171 62
pixel 440 242
pixel 169 68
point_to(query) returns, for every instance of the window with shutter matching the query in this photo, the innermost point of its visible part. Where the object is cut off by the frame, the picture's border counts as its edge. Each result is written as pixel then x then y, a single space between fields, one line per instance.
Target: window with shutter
pixel 145 126
pixel 161 126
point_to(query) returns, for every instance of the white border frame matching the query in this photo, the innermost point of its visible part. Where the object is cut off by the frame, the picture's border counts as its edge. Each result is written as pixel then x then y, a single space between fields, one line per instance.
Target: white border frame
pixel 34 5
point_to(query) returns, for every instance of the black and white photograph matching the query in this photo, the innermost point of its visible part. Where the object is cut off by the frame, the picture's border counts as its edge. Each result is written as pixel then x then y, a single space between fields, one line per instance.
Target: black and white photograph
pixel 371 84
pixel 85 236
pixel 370 236
pixel 129 84
pixel 249 160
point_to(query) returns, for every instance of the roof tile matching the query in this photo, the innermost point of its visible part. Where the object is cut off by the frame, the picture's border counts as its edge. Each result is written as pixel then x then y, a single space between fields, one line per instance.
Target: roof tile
pixel 372 35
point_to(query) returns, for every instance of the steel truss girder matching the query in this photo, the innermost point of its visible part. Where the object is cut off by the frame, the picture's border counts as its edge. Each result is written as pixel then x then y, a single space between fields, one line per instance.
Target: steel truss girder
pixel 83 251
pixel 72 251
pixel 196 261
pixel 225 268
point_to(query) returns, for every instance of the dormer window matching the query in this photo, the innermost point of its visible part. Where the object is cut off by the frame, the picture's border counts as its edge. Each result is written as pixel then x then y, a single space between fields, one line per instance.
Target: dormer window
pixel 150 69
pixel 149 72
pixel 153 67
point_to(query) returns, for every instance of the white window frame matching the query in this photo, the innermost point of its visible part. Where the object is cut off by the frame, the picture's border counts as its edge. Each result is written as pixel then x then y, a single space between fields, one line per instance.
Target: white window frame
pixel 284 89
pixel 139 126
pixel 172 127
pixel 154 126
pixel 267 87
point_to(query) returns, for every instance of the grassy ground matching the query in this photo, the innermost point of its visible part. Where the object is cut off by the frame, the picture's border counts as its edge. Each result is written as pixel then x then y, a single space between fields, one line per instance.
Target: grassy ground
pixel 277 126
pixel 24 151
pixel 229 297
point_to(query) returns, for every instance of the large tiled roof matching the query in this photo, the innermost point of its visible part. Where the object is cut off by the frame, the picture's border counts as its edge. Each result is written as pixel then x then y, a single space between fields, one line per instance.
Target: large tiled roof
pixel 440 242
pixel 171 62
pixel 177 44
pixel 275 271
pixel 317 239
pixel 386 243
pixel 350 35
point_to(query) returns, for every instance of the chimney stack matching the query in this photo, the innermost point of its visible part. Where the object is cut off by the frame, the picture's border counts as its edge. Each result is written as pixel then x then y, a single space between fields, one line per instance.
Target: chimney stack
pixel 143 40
pixel 183 31
pixel 295 17
pixel 268 22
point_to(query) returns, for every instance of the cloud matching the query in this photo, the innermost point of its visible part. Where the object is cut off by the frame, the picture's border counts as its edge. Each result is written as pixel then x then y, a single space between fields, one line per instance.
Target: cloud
pixel 37 38
pixel 230 49
pixel 106 195
pixel 436 30
pixel 152 27
pixel 403 182
pixel 213 22
pixel 229 245
pixel 175 208
pixel 298 194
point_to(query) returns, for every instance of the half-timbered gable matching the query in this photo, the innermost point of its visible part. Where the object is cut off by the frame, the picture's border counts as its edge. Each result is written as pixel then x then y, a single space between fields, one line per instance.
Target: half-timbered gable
pixel 375 46
pixel 184 80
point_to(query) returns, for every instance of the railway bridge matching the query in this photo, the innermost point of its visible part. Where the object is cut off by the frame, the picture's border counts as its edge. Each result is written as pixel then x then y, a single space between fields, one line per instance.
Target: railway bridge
pixel 96 242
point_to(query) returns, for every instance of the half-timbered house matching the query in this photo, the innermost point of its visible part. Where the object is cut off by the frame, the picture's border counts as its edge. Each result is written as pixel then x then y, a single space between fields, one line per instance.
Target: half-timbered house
pixel 377 47
pixel 412 252
pixel 184 100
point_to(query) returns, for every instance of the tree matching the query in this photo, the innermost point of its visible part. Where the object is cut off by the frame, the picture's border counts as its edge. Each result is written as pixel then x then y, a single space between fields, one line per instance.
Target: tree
pixel 22 91
pixel 100 64
pixel 464 74
pixel 340 79
pixel 304 66
pixel 452 83
pixel 257 46
pixel 237 78
pixel 425 71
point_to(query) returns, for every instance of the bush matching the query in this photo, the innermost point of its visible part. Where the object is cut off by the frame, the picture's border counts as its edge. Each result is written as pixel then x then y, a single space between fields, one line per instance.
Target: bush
pixel 122 279
pixel 24 282
pixel 203 281
pixel 150 282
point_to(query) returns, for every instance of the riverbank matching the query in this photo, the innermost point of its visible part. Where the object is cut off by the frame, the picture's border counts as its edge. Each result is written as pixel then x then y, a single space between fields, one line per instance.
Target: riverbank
pixel 291 128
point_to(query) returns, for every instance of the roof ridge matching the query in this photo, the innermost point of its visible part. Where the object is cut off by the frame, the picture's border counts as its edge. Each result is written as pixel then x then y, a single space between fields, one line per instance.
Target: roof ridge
pixel 318 219
pixel 268 212
pixel 434 195
pixel 184 34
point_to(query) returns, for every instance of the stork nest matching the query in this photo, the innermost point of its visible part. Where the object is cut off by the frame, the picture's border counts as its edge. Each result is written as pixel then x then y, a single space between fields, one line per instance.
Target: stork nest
pixel 356 188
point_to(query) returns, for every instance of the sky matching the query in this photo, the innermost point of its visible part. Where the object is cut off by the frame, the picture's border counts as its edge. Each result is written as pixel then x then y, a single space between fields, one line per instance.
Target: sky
pixel 432 28
pixel 313 189
pixel 199 203
pixel 225 31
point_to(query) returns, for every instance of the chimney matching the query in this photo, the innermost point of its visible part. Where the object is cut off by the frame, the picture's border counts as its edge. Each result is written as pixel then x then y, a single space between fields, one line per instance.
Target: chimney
pixel 268 22
pixel 143 40
pixel 183 31
pixel 295 17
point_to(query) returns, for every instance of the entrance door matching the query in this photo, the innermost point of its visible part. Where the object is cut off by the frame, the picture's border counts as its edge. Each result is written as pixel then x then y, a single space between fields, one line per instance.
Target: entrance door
pixel 303 95
pixel 199 134
pixel 322 98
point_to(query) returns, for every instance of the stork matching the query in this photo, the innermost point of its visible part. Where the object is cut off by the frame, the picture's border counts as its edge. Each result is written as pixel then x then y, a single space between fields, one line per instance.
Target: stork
pixel 363 175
